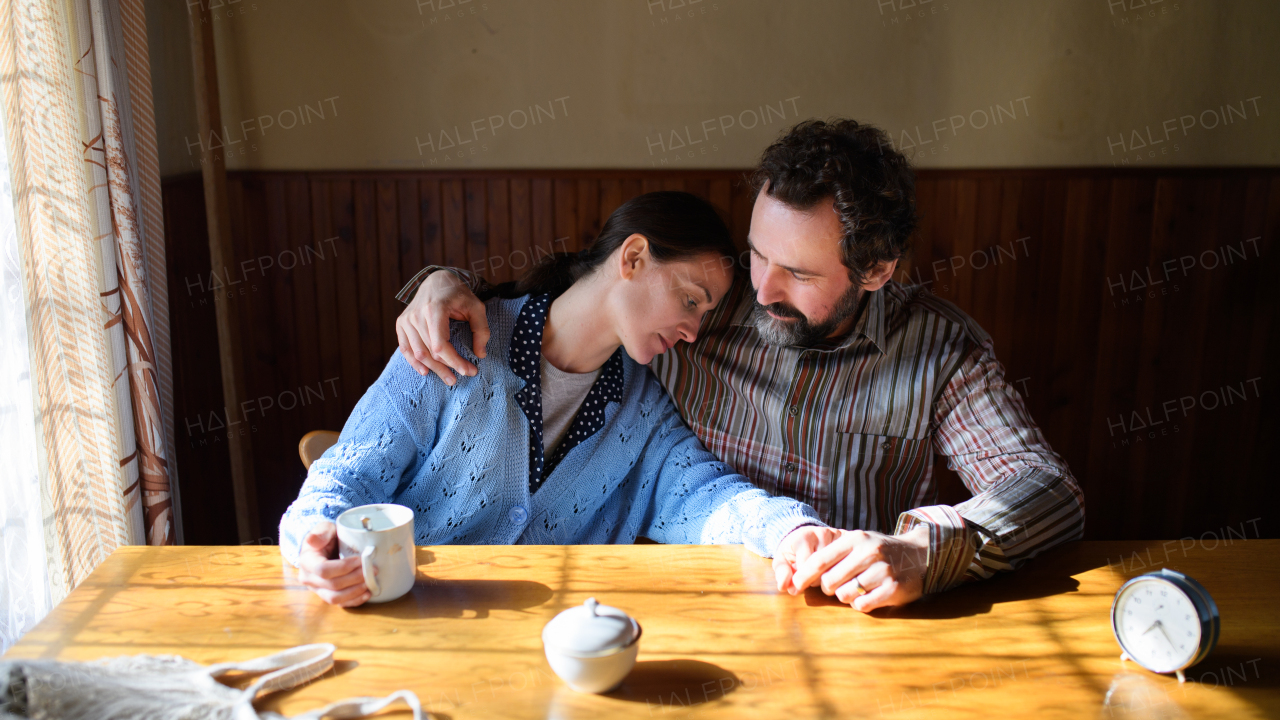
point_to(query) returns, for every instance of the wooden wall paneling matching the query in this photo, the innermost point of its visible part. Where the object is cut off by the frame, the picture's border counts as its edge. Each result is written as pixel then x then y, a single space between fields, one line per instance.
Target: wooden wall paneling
pixel 328 324
pixel 1220 422
pixel 479 255
pixel 453 223
pixel 1266 336
pixel 542 215
pixel 409 201
pixel 610 197
pixel 1001 263
pixel 429 202
pixel 982 218
pixel 1128 242
pixel 521 227
pixel 1088 353
pixel 369 289
pixel 276 415
pixel 589 218
pixel 203 470
pixel 302 254
pixel 698 186
pixel 720 194
pixel 347 282
pixel 388 261
pixel 1252 309
pixel 1172 343
pixel 742 200
pixel 565 194
pixel 1026 285
pixel 498 221
pixel 247 201
pixel 1073 366
pixel 913 265
pixel 631 187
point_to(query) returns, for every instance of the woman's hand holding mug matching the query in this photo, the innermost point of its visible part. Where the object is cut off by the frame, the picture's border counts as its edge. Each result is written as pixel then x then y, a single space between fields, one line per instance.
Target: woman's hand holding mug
pixel 338 581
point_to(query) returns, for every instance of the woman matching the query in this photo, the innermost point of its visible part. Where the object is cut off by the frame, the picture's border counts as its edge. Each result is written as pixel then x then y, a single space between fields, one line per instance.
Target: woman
pixel 562 437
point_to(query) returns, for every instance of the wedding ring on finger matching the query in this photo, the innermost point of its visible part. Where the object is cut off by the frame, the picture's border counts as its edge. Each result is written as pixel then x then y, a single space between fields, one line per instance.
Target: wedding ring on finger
pixel 858 589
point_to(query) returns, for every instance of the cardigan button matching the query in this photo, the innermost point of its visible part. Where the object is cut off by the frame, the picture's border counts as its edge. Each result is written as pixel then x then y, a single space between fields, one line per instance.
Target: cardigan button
pixel 518 515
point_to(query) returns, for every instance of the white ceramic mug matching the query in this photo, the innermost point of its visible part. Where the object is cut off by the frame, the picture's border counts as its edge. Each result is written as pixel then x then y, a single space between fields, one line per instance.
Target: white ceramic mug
pixel 382 536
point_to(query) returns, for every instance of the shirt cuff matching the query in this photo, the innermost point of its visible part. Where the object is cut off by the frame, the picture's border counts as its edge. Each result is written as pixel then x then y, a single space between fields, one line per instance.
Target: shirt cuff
pixel 952 544
pixel 473 281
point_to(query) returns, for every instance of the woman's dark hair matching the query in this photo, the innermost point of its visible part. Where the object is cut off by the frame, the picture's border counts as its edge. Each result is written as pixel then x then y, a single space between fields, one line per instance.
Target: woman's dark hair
pixel 870 183
pixel 678 226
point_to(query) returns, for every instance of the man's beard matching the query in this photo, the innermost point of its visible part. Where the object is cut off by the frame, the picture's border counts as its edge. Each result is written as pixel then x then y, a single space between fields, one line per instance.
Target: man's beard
pixel 801 331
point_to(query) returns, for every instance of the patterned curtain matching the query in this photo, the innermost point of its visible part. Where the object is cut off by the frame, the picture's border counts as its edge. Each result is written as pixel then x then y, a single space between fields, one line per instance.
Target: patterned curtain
pixel 75 78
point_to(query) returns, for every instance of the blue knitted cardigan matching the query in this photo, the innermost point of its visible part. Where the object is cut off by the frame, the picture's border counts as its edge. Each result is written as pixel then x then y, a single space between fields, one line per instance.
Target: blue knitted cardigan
pixel 468 460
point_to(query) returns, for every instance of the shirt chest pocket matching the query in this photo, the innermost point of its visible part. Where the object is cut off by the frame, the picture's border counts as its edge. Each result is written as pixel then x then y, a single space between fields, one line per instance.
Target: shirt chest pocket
pixel 874 478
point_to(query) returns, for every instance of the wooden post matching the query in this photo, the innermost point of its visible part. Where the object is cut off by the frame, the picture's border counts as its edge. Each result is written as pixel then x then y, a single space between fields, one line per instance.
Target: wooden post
pixel 214 169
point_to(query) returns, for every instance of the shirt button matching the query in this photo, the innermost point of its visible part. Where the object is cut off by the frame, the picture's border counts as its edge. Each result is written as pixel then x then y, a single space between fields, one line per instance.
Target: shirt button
pixel 792 467
pixel 794 409
pixel 886 445
pixel 518 515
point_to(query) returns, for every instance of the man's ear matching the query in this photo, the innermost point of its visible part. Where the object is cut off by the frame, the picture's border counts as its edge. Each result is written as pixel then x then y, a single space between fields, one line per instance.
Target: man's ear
pixel 633 254
pixel 880 275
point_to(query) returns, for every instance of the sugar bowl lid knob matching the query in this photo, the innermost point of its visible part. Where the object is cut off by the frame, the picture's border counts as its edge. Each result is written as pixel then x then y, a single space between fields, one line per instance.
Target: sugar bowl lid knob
pixel 590 629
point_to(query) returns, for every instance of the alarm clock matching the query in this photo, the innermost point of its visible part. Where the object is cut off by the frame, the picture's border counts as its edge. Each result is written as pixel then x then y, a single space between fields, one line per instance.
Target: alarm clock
pixel 1165 621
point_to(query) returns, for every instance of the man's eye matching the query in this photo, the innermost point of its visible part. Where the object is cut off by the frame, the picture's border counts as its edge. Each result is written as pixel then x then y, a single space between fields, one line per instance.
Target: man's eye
pixel 691 302
pixel 801 278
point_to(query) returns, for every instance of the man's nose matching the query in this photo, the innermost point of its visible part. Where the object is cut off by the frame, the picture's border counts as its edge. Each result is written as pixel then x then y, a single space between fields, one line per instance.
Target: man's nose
pixel 769 290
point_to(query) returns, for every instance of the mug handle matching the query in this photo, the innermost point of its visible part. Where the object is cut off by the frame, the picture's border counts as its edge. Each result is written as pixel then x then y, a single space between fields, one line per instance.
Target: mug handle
pixel 366 565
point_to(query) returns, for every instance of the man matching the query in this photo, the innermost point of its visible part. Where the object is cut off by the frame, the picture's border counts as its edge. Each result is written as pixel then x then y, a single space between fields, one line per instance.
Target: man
pixel 826 381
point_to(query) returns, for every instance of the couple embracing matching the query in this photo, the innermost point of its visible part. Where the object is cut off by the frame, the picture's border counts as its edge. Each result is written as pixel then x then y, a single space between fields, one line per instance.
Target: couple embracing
pixel 795 409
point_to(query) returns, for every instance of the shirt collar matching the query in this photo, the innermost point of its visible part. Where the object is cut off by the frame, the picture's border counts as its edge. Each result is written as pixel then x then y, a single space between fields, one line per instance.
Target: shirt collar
pixel 524 356
pixel 870 323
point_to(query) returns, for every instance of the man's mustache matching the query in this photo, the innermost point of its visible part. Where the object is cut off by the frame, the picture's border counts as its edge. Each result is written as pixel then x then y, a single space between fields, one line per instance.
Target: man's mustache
pixel 783 310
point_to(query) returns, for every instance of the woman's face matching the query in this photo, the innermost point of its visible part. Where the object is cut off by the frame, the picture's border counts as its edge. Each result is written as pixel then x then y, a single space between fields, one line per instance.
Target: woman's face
pixel 658 304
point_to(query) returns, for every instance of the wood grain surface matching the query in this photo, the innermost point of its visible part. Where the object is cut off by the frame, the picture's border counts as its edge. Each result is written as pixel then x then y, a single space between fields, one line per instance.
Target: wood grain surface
pixel 718 640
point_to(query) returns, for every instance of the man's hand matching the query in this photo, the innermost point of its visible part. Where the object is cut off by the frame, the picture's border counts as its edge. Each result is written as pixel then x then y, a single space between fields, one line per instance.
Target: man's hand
pixel 888 568
pixel 423 328
pixel 795 548
pixel 337 582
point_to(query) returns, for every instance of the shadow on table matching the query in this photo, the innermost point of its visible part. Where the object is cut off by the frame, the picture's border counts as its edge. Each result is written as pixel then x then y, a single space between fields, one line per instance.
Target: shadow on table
pixel 1231 667
pixel 668 684
pixel 432 597
pixel 1050 574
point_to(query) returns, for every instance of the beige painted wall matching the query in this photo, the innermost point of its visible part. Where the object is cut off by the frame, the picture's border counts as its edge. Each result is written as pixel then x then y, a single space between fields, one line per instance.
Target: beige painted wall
pixel 362 84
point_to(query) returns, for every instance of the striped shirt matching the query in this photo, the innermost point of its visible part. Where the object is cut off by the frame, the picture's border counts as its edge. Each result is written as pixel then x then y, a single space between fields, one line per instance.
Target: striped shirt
pixel 851 428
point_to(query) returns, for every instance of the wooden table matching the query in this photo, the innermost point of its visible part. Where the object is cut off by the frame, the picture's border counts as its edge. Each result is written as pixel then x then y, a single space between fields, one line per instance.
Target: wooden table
pixel 718 640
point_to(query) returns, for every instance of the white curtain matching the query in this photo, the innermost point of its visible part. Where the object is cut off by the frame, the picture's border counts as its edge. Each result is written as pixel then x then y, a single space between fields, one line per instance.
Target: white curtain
pixel 85 371
pixel 24 587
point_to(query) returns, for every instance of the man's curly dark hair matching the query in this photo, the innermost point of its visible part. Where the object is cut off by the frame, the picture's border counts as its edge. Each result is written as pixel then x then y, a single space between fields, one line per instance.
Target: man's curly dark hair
pixel 871 184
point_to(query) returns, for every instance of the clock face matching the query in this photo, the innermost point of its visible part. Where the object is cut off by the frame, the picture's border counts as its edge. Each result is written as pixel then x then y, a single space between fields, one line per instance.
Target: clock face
pixel 1157 625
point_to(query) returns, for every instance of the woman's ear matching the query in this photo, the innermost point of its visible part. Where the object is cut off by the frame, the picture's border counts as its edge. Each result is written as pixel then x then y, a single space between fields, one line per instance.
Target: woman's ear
pixel 633 255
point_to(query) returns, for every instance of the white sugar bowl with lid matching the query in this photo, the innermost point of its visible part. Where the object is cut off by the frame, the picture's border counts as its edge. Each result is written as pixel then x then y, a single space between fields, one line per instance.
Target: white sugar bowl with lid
pixel 592 647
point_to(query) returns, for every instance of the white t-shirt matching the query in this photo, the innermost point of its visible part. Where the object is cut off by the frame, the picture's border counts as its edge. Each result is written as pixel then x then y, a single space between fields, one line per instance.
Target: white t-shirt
pixel 562 395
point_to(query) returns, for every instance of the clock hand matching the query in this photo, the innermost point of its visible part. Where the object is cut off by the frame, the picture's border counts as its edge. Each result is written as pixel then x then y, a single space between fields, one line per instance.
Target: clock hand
pixel 1165 633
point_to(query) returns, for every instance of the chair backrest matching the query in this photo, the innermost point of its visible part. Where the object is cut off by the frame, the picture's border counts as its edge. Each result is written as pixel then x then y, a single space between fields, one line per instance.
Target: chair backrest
pixel 313 444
